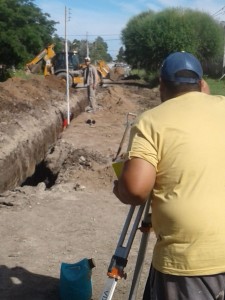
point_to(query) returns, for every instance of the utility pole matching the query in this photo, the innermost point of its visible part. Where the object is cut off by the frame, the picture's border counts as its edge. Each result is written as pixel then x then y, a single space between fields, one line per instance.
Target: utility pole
pixel 67 70
pixel 87 45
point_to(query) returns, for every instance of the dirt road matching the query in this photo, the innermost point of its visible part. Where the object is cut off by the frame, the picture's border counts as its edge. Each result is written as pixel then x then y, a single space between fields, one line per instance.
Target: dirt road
pixel 78 216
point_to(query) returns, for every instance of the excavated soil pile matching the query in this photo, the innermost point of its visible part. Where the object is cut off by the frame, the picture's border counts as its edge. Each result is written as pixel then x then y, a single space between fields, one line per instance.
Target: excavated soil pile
pixel 31 118
pixel 56 201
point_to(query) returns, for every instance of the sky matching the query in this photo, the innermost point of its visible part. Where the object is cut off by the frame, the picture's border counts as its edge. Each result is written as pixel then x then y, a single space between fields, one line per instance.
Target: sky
pixel 88 19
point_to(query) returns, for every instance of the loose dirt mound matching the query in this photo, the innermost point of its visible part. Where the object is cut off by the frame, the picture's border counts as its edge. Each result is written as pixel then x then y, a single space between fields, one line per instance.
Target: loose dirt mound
pixel 20 98
pixel 78 216
pixel 31 118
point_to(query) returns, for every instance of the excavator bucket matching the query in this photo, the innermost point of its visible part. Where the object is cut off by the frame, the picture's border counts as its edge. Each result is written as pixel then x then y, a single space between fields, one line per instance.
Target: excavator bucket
pixel 116 73
pixel 35 68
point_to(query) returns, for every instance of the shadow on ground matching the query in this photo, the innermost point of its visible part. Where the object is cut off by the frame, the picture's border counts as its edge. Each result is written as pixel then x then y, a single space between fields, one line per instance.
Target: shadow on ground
pixel 20 284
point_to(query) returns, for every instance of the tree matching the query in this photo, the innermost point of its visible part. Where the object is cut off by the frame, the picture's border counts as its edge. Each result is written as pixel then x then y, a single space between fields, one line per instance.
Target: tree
pixel 121 55
pixel 150 37
pixel 25 31
pixel 136 41
pixel 97 49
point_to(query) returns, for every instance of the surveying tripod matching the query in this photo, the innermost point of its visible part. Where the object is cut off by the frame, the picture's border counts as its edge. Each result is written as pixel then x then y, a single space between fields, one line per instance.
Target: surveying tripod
pixel 120 258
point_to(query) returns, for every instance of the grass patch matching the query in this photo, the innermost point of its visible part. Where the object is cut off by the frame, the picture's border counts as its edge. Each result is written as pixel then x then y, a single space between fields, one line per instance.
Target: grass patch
pixel 152 78
pixel 141 73
pixel 217 87
pixel 20 74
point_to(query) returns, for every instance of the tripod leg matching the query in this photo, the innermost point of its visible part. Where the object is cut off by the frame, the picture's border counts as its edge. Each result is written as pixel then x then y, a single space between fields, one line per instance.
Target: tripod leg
pixel 119 259
pixel 141 254
pixel 109 289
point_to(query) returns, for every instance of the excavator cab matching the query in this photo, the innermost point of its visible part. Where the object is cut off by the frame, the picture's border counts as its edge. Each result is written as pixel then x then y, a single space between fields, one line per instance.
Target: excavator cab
pixel 59 61
pixel 75 71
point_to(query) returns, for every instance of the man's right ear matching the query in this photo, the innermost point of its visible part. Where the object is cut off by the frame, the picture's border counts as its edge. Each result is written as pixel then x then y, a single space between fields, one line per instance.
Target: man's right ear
pixel 204 87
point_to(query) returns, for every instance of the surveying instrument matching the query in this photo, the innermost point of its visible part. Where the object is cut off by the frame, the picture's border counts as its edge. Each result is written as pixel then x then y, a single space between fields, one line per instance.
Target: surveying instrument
pixel 132 224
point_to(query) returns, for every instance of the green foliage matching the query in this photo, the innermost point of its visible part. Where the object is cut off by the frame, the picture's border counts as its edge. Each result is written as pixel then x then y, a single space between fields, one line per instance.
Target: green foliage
pixel 139 72
pixel 121 55
pixel 4 73
pixel 22 74
pixel 217 87
pixel 59 43
pixel 137 38
pixel 81 47
pixel 150 37
pixel 97 49
pixel 152 78
pixel 25 30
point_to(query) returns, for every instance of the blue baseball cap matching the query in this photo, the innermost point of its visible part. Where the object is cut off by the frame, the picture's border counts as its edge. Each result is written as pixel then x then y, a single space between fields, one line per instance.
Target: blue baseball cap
pixel 180 61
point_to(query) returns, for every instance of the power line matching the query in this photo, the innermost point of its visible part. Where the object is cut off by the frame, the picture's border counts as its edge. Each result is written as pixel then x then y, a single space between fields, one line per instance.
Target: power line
pixel 97 35
pixel 114 34
pixel 219 12
pixel 111 34
pixel 84 36
pixel 104 40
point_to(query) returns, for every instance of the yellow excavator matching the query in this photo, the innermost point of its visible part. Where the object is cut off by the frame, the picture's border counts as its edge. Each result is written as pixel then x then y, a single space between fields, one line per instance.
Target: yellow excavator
pixel 47 54
pixel 55 63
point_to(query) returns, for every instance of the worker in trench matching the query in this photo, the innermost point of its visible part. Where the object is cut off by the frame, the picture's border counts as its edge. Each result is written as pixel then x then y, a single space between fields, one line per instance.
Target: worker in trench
pixel 91 81
pixel 176 156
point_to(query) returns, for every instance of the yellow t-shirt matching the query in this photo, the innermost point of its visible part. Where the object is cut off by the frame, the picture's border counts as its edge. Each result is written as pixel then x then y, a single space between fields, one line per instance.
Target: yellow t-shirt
pixel 184 138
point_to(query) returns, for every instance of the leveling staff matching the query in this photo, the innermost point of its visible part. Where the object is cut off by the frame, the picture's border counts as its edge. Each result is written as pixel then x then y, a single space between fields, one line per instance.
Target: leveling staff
pixel 177 153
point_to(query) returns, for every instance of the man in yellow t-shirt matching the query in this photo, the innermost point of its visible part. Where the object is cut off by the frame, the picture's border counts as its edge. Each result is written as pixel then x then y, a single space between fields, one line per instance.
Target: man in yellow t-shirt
pixel 177 153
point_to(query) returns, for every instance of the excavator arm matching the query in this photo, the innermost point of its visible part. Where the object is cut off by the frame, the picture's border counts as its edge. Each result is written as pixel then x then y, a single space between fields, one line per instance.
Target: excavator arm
pixel 46 54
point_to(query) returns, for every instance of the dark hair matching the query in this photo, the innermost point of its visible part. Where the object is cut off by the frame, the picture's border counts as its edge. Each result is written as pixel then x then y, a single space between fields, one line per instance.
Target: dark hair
pixel 175 88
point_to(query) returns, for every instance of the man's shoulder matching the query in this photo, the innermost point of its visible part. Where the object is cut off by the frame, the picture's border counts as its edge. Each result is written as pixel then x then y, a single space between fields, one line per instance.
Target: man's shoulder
pixel 92 66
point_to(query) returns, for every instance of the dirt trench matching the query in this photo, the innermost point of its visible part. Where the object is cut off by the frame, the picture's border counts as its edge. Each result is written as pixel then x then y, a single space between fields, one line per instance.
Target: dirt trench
pixel 32 114
pixel 78 216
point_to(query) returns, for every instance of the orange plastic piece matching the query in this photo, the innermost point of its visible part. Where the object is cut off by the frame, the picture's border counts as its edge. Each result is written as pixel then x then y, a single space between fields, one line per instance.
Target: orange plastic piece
pixel 116 273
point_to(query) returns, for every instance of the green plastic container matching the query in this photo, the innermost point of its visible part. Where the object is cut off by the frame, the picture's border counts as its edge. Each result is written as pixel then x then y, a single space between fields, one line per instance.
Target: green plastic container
pixel 75 280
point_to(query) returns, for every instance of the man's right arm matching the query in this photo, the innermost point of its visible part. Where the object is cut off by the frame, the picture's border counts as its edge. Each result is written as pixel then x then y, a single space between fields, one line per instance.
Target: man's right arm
pixel 136 182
